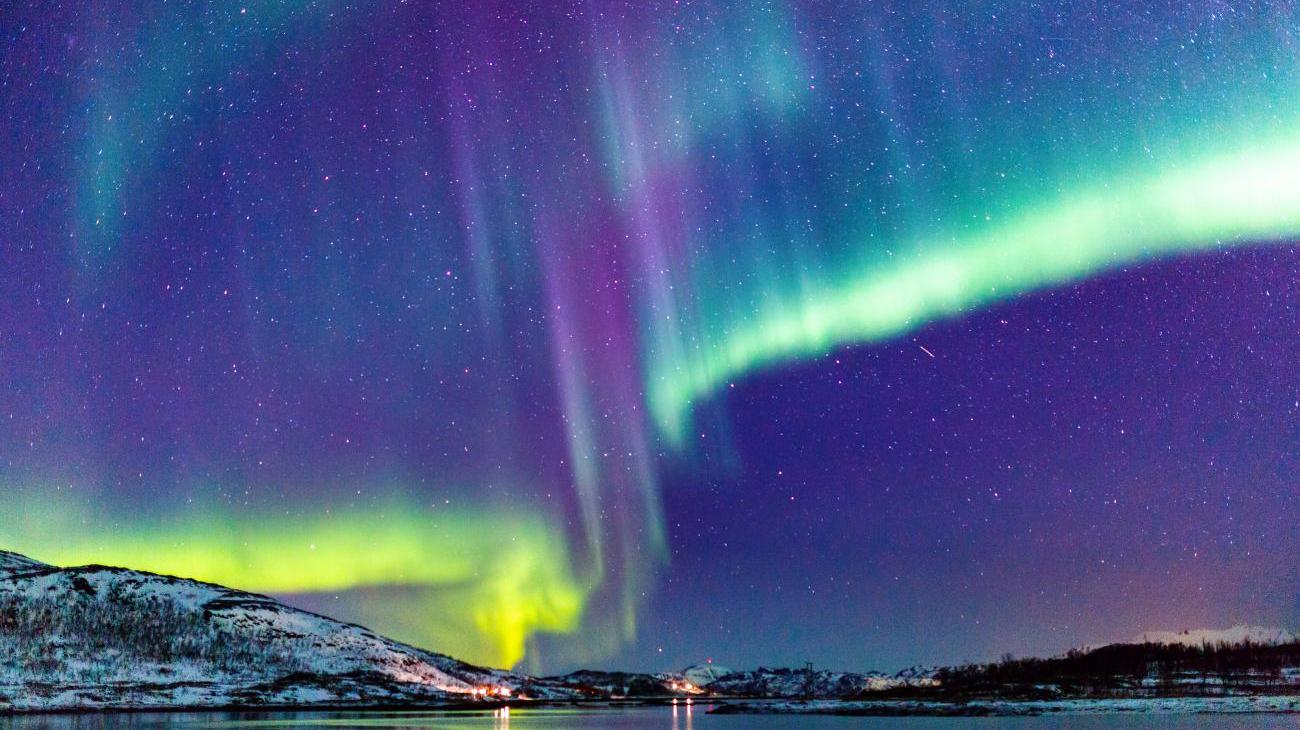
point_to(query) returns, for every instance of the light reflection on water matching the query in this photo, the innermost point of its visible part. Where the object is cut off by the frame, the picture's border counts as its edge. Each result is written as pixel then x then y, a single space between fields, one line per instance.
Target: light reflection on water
pixel 679 717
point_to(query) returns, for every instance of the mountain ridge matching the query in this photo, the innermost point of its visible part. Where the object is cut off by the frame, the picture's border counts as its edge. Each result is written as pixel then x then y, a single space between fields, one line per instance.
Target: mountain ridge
pixel 97 637
pixel 13 562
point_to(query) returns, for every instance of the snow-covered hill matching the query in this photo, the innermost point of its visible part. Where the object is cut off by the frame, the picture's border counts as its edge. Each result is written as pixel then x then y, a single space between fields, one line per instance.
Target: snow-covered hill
pixel 703 674
pixel 98 637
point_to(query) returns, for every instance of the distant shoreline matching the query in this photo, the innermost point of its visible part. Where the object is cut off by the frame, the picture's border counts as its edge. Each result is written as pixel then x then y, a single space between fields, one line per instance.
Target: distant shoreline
pixel 1231 705
pixel 103 640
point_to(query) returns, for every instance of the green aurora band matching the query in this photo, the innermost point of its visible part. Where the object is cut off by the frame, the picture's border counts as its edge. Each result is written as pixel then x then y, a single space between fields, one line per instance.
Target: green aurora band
pixel 1248 197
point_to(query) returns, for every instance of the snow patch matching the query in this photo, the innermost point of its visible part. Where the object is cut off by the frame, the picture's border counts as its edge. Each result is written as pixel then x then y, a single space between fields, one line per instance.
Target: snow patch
pixel 1238 634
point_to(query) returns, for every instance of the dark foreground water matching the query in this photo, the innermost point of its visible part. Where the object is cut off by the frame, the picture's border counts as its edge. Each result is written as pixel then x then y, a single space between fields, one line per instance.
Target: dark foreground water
pixel 656 718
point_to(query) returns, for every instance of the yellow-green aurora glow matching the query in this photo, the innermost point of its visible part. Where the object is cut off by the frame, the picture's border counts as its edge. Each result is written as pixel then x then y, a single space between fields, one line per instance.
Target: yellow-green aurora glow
pixel 485 579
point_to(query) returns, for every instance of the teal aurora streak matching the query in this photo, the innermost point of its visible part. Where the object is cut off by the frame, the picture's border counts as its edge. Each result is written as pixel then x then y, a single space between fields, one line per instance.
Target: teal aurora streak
pixel 1250 197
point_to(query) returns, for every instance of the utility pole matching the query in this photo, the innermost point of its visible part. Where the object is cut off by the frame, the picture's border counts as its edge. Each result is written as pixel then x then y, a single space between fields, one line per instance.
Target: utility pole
pixel 808 680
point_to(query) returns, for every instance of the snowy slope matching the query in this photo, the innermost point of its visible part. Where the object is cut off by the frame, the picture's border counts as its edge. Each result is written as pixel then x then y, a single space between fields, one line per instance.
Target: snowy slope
pixel 93 637
pixel 14 563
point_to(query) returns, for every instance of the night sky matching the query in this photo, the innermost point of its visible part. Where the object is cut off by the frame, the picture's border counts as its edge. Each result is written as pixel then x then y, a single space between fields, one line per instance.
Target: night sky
pixel 633 334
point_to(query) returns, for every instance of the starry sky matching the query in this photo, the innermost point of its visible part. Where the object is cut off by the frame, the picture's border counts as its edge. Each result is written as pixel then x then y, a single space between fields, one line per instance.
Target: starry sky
pixel 551 334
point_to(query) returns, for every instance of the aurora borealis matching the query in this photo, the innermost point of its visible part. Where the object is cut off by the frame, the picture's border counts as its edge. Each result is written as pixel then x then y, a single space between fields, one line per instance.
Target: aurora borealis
pixel 556 333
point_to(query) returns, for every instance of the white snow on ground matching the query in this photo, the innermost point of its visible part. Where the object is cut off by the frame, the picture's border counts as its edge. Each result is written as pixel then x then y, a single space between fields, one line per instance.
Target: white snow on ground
pixel 1234 635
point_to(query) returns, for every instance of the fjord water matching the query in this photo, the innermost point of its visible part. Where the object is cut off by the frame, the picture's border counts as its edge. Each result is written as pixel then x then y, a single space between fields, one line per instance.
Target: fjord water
pixel 637 718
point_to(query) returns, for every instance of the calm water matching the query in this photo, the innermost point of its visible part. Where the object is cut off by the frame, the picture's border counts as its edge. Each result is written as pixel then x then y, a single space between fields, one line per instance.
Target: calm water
pixel 657 718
